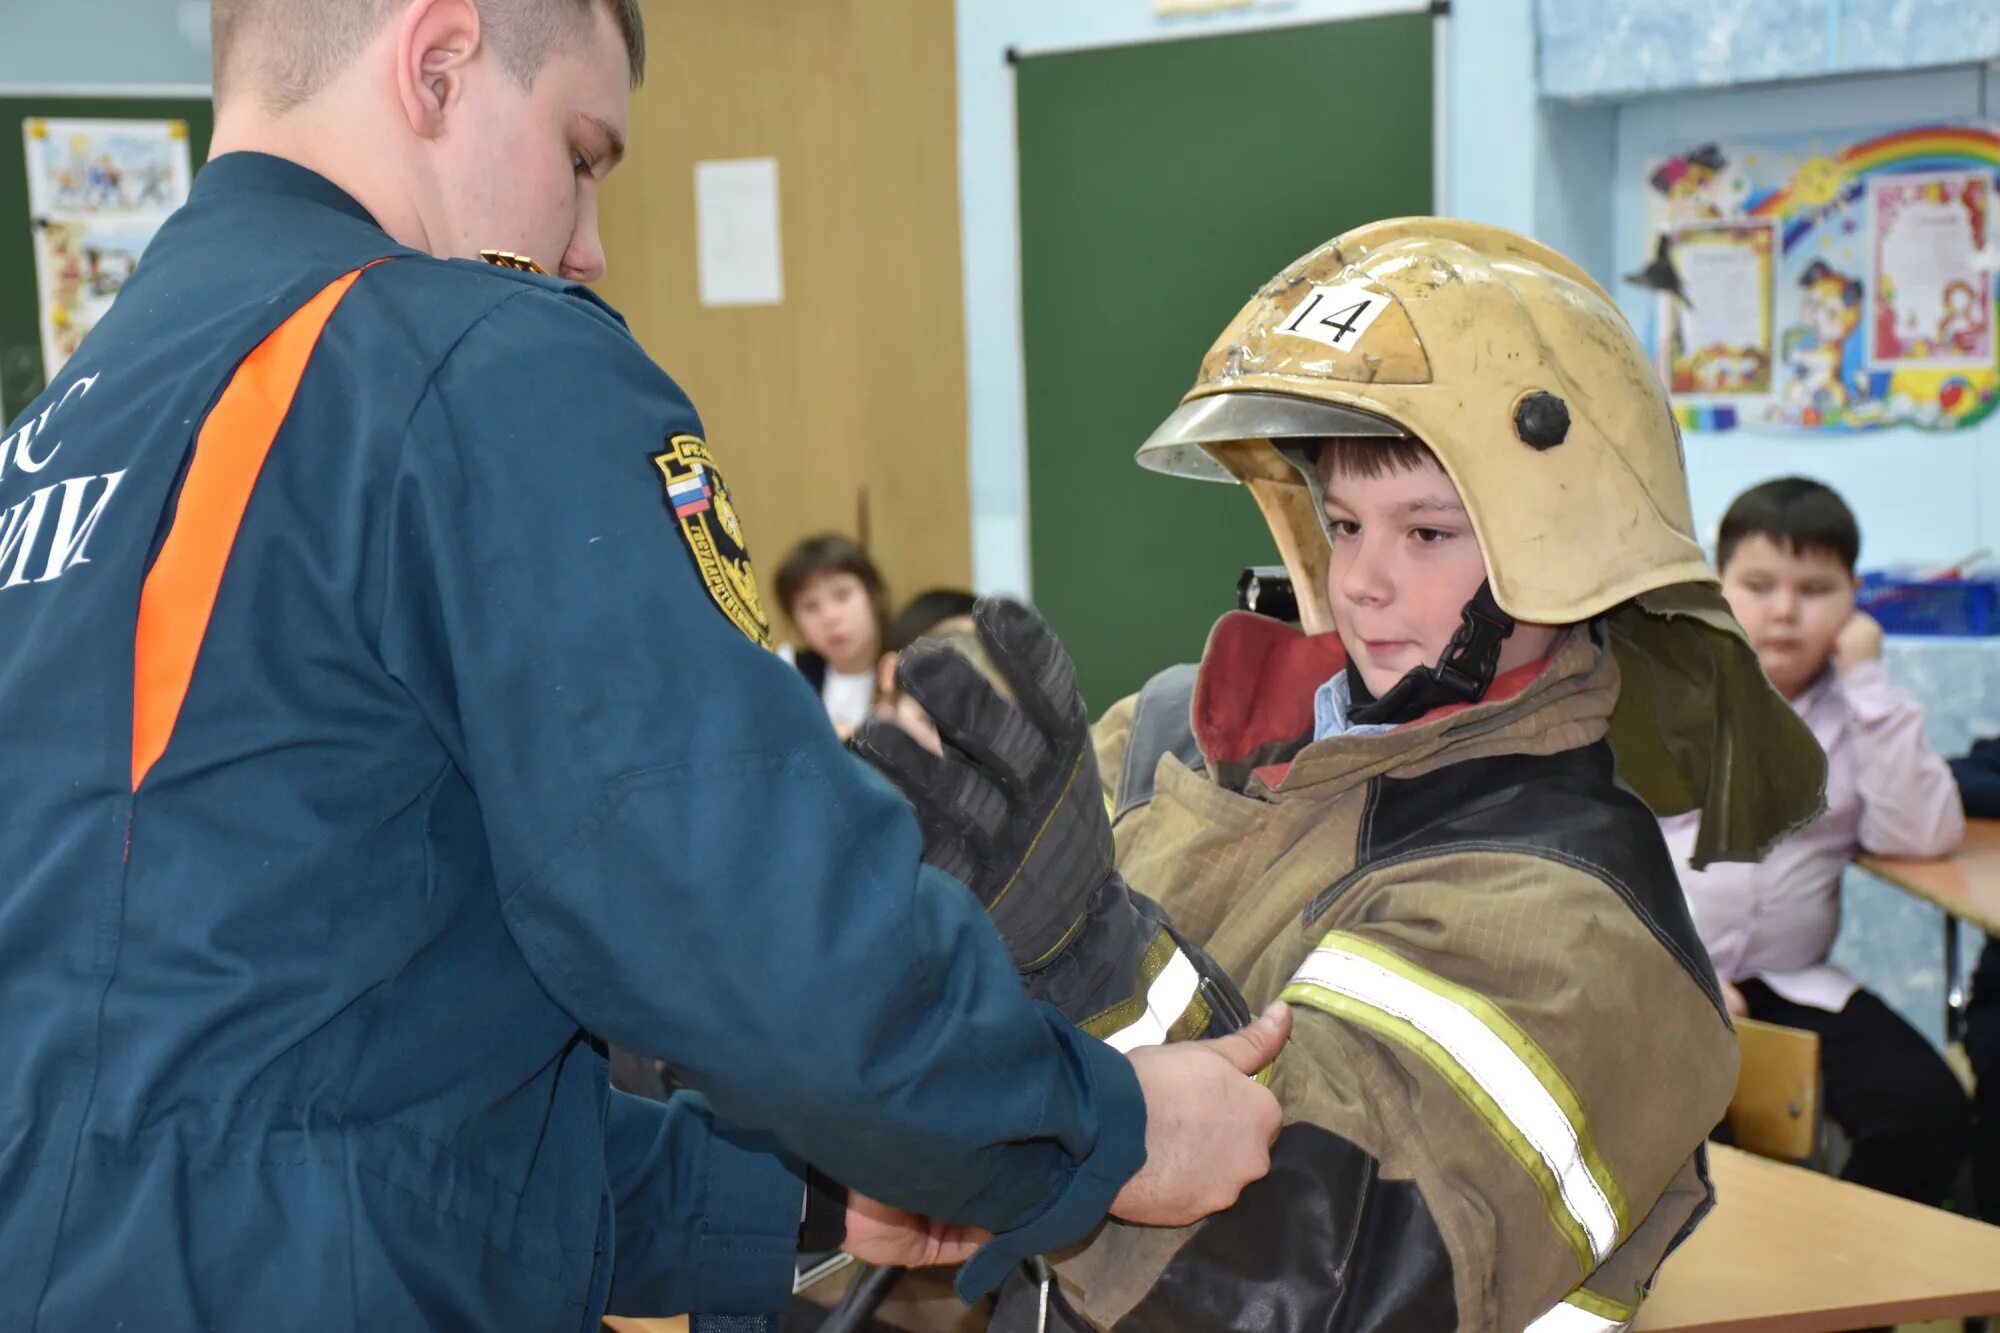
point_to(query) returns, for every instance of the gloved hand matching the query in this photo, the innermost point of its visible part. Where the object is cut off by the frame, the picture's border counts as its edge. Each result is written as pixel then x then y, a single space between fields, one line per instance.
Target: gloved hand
pixel 1014 811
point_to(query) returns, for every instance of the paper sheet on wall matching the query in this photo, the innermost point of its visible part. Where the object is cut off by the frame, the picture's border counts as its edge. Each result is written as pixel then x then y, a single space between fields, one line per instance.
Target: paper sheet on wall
pixel 1932 309
pixel 1720 339
pixel 97 192
pixel 736 232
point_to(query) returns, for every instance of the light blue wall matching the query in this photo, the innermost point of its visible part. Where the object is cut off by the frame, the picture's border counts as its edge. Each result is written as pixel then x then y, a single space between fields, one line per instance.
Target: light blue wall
pixel 1598 48
pixel 1920 496
pixel 99 44
pixel 987 30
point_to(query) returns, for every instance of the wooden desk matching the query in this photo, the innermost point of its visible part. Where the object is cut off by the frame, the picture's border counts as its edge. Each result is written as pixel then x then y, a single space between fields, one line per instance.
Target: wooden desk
pixel 1966 885
pixel 1792 1251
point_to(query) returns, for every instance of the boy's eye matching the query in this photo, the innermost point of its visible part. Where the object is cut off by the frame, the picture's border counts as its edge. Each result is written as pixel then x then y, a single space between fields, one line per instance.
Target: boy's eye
pixel 579 163
pixel 1430 536
pixel 1343 527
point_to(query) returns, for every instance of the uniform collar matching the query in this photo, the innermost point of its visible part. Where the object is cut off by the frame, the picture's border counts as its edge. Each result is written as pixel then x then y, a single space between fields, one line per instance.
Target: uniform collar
pixel 260 174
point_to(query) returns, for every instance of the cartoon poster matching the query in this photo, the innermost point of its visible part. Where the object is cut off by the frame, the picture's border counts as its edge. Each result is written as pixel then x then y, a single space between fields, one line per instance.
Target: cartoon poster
pixel 1930 309
pixel 1884 284
pixel 97 192
pixel 1718 337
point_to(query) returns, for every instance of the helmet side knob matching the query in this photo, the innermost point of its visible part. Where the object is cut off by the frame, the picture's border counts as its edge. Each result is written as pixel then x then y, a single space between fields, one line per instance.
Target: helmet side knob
pixel 1541 419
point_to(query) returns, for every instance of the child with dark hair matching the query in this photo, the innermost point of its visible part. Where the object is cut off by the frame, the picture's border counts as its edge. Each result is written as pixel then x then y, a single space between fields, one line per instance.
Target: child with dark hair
pixel 836 600
pixel 1787 551
pixel 925 612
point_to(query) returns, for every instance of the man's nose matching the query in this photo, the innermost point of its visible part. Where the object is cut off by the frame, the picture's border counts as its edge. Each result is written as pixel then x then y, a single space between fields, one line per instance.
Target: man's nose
pixel 585 260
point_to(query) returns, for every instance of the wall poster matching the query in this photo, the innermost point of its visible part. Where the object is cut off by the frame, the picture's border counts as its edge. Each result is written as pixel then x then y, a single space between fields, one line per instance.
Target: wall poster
pixel 97 191
pixel 1824 287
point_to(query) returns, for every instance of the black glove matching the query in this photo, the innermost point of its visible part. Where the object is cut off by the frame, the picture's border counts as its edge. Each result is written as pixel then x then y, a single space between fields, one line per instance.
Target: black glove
pixel 1014 811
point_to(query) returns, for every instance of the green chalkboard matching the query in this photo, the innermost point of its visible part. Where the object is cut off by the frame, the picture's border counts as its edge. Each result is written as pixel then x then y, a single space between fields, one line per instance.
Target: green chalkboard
pixel 21 373
pixel 1161 184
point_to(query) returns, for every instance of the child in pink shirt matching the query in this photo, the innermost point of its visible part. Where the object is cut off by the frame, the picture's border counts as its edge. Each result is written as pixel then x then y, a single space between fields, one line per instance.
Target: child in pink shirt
pixel 1787 551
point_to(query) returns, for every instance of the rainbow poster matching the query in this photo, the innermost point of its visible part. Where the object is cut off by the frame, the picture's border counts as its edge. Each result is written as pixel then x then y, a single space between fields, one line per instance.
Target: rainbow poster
pixel 1831 287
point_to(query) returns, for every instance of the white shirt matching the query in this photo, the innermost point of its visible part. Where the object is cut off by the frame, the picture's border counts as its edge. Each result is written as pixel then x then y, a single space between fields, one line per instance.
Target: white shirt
pixel 848 698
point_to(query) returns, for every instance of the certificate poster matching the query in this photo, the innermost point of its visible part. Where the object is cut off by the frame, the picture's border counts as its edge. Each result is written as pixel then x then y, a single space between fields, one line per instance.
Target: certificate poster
pixel 1884 280
pixel 97 192
pixel 1718 343
pixel 1931 309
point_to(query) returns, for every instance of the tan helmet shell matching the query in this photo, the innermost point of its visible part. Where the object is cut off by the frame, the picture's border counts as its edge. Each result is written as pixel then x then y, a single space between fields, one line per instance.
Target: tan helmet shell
pixel 1442 330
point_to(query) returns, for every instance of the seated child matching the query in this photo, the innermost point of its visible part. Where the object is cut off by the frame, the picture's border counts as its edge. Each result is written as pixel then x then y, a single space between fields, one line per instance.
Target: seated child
pixel 1404 821
pixel 1786 551
pixel 836 600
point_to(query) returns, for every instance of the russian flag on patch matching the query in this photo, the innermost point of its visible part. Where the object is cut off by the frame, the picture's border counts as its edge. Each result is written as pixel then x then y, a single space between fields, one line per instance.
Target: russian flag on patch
pixel 690 496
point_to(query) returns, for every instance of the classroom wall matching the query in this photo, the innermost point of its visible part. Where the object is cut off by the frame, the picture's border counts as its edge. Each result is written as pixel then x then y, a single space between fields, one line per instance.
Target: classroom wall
pixel 1567 170
pixel 1560 167
pixel 94 44
pixel 842 407
pixel 1921 496
pixel 1599 48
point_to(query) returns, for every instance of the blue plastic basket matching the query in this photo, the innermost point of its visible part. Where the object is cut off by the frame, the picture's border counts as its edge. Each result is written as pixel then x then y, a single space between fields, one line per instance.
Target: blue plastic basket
pixel 1906 605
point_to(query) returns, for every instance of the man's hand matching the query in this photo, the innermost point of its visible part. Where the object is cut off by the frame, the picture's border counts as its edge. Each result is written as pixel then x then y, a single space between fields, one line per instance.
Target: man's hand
pixel 1733 998
pixel 1859 640
pixel 1209 1123
pixel 893 1238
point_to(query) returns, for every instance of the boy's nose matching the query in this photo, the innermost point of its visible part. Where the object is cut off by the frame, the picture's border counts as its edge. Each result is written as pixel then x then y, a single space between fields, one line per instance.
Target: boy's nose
pixel 1363 582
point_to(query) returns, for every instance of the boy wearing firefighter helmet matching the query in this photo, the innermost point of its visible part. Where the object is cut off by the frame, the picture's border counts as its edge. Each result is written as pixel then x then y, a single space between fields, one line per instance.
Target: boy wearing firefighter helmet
pixel 1425 820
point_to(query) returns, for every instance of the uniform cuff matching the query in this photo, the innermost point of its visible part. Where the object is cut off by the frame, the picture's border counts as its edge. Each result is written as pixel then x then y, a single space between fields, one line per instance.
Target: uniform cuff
pixel 1084 1202
pixel 744 1258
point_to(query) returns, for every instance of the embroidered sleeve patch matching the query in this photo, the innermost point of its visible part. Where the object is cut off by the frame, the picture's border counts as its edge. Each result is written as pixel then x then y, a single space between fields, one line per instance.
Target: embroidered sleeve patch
pixel 699 501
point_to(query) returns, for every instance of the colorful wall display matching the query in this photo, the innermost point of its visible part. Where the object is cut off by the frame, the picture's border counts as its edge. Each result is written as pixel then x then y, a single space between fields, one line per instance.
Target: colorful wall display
pixel 1830 287
pixel 97 191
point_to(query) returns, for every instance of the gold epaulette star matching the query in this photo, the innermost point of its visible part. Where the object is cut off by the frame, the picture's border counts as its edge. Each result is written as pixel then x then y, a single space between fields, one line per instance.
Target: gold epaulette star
pixel 519 263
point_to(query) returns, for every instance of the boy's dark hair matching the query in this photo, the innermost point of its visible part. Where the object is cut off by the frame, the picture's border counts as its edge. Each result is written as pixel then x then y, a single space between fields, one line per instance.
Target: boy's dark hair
pixel 924 612
pixel 1797 514
pixel 831 553
pixel 1371 456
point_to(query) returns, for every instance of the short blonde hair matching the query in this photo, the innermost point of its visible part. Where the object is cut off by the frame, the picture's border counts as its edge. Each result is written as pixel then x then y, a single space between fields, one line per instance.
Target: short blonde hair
pixel 301 46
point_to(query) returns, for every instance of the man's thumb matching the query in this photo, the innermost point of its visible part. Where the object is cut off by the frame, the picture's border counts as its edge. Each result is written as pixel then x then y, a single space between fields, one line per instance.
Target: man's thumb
pixel 1257 1045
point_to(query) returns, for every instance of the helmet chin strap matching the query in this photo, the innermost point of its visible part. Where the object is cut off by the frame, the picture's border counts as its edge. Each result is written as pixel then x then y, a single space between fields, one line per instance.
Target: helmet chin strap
pixel 1461 676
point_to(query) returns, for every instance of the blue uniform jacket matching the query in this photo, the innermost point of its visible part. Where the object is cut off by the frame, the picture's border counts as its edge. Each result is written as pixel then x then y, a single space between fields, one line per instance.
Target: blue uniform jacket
pixel 368 737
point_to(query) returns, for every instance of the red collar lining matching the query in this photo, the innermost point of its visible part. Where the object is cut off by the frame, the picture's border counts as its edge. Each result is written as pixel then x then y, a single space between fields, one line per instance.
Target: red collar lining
pixel 1257 682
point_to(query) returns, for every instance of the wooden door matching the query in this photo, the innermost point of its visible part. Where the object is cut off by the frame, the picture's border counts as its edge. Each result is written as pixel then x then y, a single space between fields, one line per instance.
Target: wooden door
pixel 843 407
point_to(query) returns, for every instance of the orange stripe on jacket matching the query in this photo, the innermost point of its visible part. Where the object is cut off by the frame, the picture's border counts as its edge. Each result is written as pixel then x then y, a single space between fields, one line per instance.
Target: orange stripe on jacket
pixel 180 591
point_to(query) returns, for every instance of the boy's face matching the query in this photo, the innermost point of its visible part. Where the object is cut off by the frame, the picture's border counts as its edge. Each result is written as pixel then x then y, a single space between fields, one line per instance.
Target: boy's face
pixel 1792 604
pixel 837 620
pixel 1405 562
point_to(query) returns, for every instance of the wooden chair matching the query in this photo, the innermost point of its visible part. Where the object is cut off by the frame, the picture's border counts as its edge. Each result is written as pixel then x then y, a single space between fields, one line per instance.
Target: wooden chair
pixel 1775 1112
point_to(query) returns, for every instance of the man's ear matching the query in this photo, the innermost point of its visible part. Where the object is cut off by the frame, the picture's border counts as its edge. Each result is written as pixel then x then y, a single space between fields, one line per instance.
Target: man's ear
pixel 435 40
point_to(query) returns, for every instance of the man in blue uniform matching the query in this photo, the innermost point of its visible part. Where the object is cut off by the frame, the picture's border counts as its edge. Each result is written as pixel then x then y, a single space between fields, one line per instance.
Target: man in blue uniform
pixel 386 725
